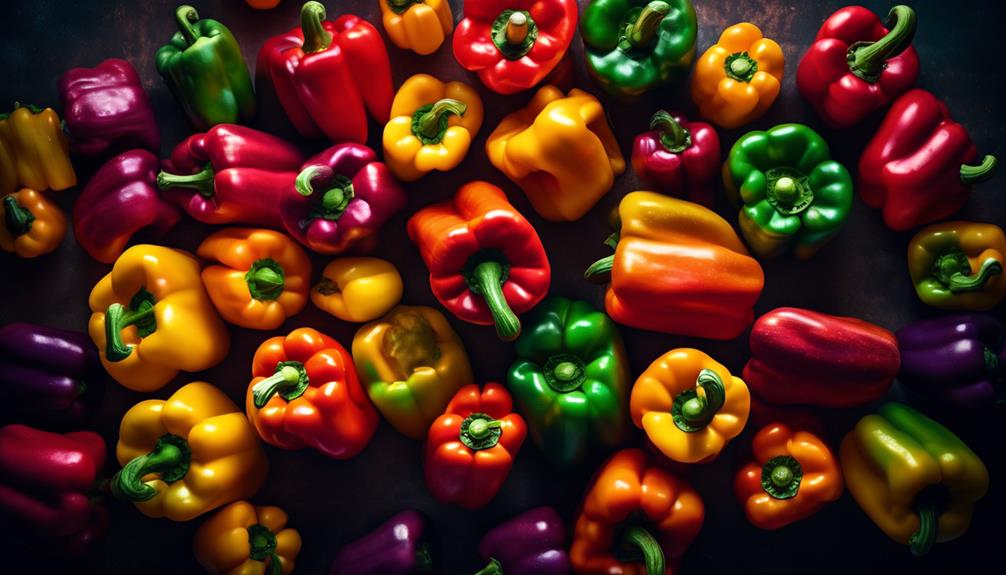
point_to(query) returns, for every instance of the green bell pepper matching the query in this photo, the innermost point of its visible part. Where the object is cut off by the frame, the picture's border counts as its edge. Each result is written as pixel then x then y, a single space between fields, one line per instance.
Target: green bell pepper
pixel 793 193
pixel 570 379
pixel 203 66
pixel 634 45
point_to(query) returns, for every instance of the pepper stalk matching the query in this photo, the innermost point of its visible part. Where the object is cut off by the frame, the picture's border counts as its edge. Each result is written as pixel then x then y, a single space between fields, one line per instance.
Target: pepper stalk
pixel 867 60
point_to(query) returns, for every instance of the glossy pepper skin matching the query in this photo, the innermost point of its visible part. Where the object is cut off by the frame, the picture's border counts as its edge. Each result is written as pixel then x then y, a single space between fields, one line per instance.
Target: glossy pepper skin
pixel 678 158
pixel 804 357
pixel 395 547
pixel 417 25
pixel 570 378
pixel 920 165
pixel 263 4
pixel 255 278
pixel 151 318
pixel 32 225
pixel 107 111
pixel 231 174
pixel 120 202
pixel 187 455
pixel 47 484
pixel 678 268
pixel 34 151
pixel 857 64
pixel 913 477
pixel 957 358
pixel 412 362
pixel 959 265
pixel 305 392
pixel 340 200
pixel 472 446
pixel 792 477
pixel 628 489
pixel 513 44
pixel 532 543
pixel 246 539
pixel 358 289
pixel 203 66
pixel 560 150
pixel 792 194
pixel 329 75
pixel 486 262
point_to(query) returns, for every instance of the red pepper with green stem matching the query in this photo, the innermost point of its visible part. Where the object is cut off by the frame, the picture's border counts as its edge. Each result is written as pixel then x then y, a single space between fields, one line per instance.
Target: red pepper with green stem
pixel 678 157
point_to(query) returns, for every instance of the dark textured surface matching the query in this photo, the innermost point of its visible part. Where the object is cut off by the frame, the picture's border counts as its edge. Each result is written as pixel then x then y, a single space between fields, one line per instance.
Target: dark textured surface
pixel 862 273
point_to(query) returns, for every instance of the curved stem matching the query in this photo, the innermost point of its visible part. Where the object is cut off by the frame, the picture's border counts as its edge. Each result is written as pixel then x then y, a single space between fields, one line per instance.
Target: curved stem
pixel 170 457
pixel 599 272
pixel 922 540
pixel 118 317
pixel 653 554
pixel 265 279
pixel 981 172
pixel 488 276
pixel 290 381
pixel 691 411
pixel 16 218
pixel 201 181
pixel 642 31
pixel 304 182
pixel 430 123
pixel 673 136
pixel 316 38
pixel 867 60
pixel 185 17
pixel 482 428
pixel 961 282
pixel 493 568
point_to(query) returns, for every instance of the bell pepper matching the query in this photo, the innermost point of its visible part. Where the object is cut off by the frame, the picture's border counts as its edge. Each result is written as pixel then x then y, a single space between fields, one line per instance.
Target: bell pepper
pixel 472 446
pixel 633 46
pixel 329 75
pixel 653 512
pixel 790 190
pixel 686 425
pixel 571 377
pixel 678 157
pixel 187 455
pixel 958 358
pixel 263 4
pixel 396 547
pixel 532 543
pixel 792 477
pixel 486 262
pixel 203 66
pixel 412 362
pixel 432 125
pixel 959 265
pixel 244 539
pixel 560 150
pixel 513 44
pixel 913 477
pixel 47 374
pixel 305 392
pixel 119 202
pixel 151 318
pixel 738 79
pixel 356 196
pixel 34 151
pixel 32 224
pixel 107 111
pixel 678 268
pixel 805 357
pixel 358 289
pixel 417 25
pixel 48 483
pixel 857 64
pixel 920 165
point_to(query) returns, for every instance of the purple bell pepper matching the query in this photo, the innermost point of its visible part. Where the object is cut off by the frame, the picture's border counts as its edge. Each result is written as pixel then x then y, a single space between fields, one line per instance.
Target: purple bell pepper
pixel 344 196
pixel 107 111
pixel 396 547
pixel 956 358
pixel 533 543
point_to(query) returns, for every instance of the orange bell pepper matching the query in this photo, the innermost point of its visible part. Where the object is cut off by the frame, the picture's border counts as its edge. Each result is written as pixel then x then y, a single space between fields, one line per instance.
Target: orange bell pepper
pixel 244 539
pixel 32 225
pixel 417 25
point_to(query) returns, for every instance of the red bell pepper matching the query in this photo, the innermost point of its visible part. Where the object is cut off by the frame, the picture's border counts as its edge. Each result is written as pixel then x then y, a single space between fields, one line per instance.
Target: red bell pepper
pixel 678 157
pixel 857 66
pixel 328 75
pixel 805 357
pixel 231 174
pixel 472 446
pixel 917 167
pixel 514 44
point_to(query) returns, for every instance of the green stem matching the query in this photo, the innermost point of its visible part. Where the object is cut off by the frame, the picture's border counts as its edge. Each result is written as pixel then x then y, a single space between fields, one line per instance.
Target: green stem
pixel 867 60
pixel 642 31
pixel 488 277
pixel 118 317
pixel 201 181
pixel 480 431
pixel 16 218
pixel 781 477
pixel 290 381
pixel 922 540
pixel 185 17
pixel 599 272
pixel 691 411
pixel 673 136
pixel 400 6
pixel 338 193
pixel 981 172
pixel 316 38
pixel 961 282
pixel 740 66
pixel 653 555
pixel 262 543
pixel 786 190
pixel 564 372
pixel 991 361
pixel 429 123
pixel 170 458
pixel 424 558
pixel 265 279
pixel 482 428
pixel 493 568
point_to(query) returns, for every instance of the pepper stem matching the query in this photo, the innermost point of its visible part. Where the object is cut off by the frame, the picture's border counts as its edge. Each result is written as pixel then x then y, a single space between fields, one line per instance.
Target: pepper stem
pixel 289 381
pixel 185 17
pixel 400 6
pixel 653 555
pixel 867 60
pixel 488 277
pixel 201 181
pixel 262 547
pixel 265 279
pixel 922 540
pixel 170 458
pixel 118 317
pixel 991 361
pixel 740 66
pixel 673 136
pixel 493 568
pixel 599 272
pixel 316 38
pixel 480 431
pixel 16 218
pixel 961 282
pixel 981 172
pixel 642 31
pixel 691 411
pixel 516 29
pixel 786 190
pixel 481 428
pixel 429 123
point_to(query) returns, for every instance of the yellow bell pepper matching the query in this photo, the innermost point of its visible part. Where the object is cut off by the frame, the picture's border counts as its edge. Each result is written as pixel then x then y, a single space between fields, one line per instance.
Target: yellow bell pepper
pixel 689 405
pixel 737 80
pixel 560 150
pixel 33 143
pixel 32 225
pixel 417 25
pixel 243 539
pixel 432 126
pixel 188 454
pixel 358 289
pixel 151 318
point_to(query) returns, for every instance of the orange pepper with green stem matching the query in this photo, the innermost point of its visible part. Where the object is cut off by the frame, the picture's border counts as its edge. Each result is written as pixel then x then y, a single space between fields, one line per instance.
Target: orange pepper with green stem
pixel 417 25
pixel 32 225
pixel 245 539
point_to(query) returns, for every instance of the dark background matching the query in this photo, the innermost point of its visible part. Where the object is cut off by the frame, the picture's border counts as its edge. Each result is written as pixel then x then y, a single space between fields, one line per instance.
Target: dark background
pixel 861 273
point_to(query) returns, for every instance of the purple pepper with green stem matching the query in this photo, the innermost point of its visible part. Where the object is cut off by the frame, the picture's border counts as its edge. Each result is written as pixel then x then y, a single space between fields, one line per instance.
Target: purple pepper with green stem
pixel 532 543
pixel 396 547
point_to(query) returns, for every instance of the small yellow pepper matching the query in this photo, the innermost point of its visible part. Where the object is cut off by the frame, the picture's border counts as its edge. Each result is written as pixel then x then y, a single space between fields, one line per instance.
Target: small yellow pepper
pixel 417 25
pixel 243 539
pixel 358 289
pixel 33 143
pixel 32 225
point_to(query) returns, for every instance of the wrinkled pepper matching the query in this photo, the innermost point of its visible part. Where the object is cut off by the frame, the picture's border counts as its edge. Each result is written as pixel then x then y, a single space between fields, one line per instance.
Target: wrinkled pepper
pixel 34 151
pixel 396 547
pixel 305 392
pixel 32 224
pixel 678 268
pixel 959 265
pixel 417 25
pixel 246 539
pixel 532 543
pixel 412 362
pixel 486 262
pixel 913 477
pixel 358 289
pixel 187 455
pixel 151 318
pixel 570 378
pixel 678 157
pixel 560 150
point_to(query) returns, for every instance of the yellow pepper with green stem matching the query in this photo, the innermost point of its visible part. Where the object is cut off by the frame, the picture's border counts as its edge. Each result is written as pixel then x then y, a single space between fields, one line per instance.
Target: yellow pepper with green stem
pixel 34 151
